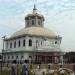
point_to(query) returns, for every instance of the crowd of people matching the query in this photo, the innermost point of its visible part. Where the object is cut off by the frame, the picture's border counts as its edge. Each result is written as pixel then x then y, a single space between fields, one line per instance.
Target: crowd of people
pixel 14 68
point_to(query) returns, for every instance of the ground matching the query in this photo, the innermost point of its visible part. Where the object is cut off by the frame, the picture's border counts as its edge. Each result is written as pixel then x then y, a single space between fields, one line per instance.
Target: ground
pixel 6 70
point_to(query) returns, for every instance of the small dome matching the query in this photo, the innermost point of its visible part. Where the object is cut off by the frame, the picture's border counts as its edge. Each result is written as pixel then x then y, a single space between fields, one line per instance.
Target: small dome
pixel 36 31
pixel 34 14
pixel 34 19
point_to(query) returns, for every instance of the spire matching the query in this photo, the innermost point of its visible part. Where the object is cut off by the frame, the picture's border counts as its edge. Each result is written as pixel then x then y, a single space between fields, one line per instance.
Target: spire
pixel 34 9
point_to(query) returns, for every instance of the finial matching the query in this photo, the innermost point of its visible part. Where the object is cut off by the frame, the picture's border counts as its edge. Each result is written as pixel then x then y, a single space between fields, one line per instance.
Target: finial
pixel 34 9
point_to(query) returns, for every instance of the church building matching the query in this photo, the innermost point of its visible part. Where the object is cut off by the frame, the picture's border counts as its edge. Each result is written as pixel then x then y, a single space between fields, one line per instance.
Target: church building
pixel 34 42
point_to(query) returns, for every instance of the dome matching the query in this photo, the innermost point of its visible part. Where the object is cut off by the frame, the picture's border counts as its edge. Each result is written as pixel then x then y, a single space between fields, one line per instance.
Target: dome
pixel 36 31
pixel 34 19
pixel 34 26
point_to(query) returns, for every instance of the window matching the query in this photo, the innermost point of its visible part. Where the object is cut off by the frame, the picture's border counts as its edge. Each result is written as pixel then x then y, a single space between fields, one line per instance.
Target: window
pixel 41 42
pixel 12 57
pixel 55 42
pixel 19 43
pixel 32 22
pixel 16 57
pixel 15 44
pixel 23 42
pixel 27 22
pixel 11 45
pixel 21 57
pixel 30 42
pixel 30 56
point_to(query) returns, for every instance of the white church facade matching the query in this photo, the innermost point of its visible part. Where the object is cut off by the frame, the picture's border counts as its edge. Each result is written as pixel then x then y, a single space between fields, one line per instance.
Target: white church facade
pixel 34 42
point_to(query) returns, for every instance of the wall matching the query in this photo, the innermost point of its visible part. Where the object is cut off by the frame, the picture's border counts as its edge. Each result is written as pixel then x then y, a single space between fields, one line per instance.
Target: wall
pixel 52 66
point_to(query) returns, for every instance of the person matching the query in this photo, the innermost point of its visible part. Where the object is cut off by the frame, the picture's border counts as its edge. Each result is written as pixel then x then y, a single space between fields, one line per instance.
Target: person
pixel 24 67
pixel 14 68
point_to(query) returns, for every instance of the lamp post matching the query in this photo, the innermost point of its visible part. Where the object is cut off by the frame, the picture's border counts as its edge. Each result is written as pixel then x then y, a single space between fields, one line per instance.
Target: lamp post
pixel 3 41
pixel 2 52
pixel 3 46
pixel 0 64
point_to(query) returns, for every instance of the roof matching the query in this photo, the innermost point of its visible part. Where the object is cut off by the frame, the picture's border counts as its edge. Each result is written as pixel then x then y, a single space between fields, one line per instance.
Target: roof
pixel 34 15
pixel 36 31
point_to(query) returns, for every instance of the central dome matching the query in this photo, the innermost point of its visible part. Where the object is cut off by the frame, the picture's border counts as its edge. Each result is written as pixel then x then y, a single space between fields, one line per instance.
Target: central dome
pixel 36 31
pixel 34 26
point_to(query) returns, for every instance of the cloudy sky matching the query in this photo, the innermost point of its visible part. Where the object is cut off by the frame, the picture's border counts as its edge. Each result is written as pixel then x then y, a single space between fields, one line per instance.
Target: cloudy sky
pixel 59 17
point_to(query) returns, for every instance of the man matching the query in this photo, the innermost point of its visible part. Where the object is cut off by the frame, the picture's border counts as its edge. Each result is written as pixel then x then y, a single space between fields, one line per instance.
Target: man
pixel 24 67
pixel 14 68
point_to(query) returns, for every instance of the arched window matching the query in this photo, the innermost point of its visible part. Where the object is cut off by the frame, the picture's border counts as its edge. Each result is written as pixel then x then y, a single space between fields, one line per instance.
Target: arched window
pixel 23 42
pixel 55 42
pixel 11 45
pixel 16 57
pixel 27 22
pixel 19 43
pixel 32 22
pixel 41 42
pixel 15 44
pixel 21 57
pixel 30 42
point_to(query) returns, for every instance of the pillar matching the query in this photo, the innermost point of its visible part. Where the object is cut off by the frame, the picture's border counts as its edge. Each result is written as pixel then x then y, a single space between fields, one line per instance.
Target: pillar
pixel 61 59
pixel 26 42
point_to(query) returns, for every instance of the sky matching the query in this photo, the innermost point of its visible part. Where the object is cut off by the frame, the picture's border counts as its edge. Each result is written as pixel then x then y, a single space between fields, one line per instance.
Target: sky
pixel 59 17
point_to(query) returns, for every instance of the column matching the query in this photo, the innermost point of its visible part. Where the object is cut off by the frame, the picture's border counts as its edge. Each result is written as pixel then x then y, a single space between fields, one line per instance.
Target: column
pixel 55 59
pixel 26 42
pixel 36 21
pixel 61 59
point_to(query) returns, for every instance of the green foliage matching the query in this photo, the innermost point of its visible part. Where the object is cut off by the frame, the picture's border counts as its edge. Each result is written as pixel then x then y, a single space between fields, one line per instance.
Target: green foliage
pixel 5 72
pixel 48 73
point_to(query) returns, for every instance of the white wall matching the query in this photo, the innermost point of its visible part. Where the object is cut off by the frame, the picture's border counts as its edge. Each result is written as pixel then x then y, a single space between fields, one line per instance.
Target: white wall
pixel 51 42
pixel 30 48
